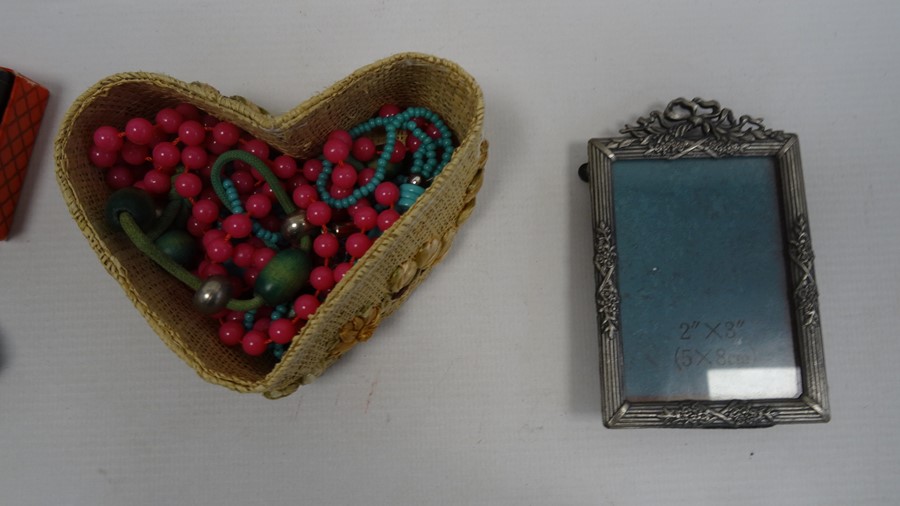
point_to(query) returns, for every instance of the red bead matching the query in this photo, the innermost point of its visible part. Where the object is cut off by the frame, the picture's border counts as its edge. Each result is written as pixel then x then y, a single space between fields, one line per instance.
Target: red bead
pixel 266 191
pixel 215 147
pixel 338 192
pixel 119 177
pixel 215 270
pixel 168 120
pixel 219 250
pixel 158 136
pixel 342 136
pixel 226 134
pixel 157 182
pixel 237 225
pixel 188 185
pixel 344 176
pixel 243 181
pixel 195 227
pixel 243 255
pixel 413 143
pixel 209 121
pixel 188 111
pixel 201 269
pixel 262 324
pixel 281 331
pixel 311 169
pixel 399 152
pixel 387 218
pixel 305 306
pixel 231 333
pixel 388 110
pixel 139 131
pixel 360 204
pixel 133 154
pixel 250 275
pixel 258 206
pixel 284 167
pixel 304 195
pixel 335 151
pixel 326 245
pixel 261 257
pixel 366 219
pixel 107 138
pixel 192 133
pixel 206 211
pixel 318 213
pixel 254 343
pixel 365 175
pixel 387 193
pixel 208 192
pixel 433 132
pixel 166 156
pixel 212 235
pixel 102 159
pixel 321 278
pixel 194 157
pixel 357 244
pixel 296 181
pixel 340 270
pixel 234 316
pixel 257 148
pixel 364 149
pixel 257 175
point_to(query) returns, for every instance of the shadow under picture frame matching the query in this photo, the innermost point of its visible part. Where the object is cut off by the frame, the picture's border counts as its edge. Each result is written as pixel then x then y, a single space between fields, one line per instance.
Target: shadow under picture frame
pixel 707 305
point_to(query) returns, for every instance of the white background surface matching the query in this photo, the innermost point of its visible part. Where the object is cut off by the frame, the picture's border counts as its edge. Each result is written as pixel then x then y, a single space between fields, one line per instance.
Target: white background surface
pixel 484 388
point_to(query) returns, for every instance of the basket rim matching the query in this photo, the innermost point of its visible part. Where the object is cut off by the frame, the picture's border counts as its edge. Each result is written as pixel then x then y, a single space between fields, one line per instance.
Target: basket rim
pixel 257 120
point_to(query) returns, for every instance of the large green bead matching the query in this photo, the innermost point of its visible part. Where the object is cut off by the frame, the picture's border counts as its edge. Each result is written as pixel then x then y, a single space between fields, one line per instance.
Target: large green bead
pixel 283 277
pixel 180 246
pixel 133 201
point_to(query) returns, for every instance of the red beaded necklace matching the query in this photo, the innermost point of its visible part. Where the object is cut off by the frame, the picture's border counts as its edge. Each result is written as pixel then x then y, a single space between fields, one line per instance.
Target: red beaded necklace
pixel 261 237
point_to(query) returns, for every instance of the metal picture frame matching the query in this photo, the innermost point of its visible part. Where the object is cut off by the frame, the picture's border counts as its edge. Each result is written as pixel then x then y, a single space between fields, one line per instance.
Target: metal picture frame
pixel 702 129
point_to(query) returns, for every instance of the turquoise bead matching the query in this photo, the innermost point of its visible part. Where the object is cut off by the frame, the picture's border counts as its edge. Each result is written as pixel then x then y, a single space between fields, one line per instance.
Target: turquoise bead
pixel 249 319
pixel 283 277
pixel 408 195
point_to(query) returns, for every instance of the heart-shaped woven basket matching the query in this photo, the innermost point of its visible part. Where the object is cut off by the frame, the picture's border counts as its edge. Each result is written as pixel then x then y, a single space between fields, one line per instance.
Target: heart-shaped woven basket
pixel 376 285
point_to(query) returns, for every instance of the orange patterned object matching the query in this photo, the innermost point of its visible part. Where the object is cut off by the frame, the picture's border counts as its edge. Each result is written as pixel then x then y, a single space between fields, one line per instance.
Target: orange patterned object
pixel 22 104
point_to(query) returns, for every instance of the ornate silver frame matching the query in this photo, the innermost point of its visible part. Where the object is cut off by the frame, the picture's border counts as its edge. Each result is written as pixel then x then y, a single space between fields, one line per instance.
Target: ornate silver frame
pixel 703 129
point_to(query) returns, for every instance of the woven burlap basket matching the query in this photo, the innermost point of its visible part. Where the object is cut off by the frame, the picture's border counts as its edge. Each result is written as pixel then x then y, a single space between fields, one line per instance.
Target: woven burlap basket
pixel 377 284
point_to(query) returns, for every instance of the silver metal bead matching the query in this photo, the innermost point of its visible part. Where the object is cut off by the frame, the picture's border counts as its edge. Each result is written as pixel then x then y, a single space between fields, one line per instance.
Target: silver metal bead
pixel 296 226
pixel 213 295
pixel 417 180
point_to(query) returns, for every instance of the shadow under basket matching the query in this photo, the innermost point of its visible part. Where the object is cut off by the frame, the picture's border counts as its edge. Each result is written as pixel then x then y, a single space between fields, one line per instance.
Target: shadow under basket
pixel 376 285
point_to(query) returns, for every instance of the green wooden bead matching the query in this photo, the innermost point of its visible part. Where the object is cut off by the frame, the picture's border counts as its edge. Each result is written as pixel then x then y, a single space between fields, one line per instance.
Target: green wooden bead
pixel 180 246
pixel 283 277
pixel 133 201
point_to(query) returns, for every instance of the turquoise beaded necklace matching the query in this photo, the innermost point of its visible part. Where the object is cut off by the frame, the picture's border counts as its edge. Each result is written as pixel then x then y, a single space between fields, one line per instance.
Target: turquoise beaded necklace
pixel 425 161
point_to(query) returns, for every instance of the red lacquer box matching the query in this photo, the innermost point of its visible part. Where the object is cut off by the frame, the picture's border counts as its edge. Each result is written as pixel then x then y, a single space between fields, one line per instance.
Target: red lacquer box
pixel 22 104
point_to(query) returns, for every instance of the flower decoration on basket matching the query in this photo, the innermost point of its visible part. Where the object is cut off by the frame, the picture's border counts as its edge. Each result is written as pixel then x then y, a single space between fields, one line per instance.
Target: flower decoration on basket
pixel 262 237
pixel 356 331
